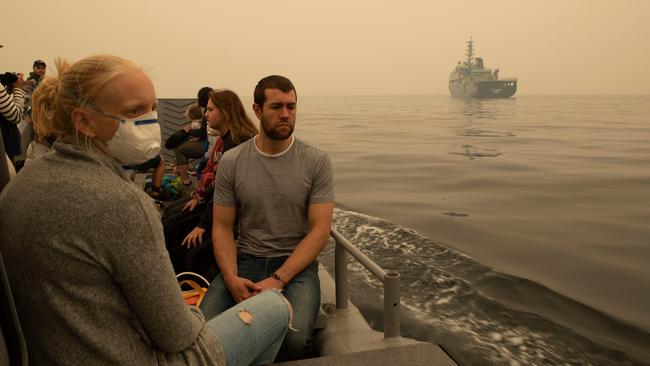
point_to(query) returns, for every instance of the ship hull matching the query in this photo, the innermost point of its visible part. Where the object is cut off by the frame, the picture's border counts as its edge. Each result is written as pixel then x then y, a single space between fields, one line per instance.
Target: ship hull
pixel 482 89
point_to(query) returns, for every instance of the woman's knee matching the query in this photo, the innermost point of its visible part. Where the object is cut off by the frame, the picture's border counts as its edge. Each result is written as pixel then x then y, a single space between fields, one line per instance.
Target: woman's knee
pixel 275 300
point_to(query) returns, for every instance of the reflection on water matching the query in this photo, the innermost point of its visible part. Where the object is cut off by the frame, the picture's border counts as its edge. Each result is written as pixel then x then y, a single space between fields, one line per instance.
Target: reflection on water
pixel 468 131
pixel 472 152
pixel 484 108
pixel 455 214
pixel 479 119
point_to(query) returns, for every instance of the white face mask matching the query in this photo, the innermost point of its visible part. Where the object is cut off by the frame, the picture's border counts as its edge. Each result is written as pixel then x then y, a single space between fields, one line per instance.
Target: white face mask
pixel 136 140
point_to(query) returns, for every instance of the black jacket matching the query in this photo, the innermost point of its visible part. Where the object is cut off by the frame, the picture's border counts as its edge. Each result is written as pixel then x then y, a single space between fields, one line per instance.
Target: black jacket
pixel 10 137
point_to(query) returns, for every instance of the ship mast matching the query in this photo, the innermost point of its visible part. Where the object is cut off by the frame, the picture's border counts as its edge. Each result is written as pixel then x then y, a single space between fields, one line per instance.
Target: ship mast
pixel 470 52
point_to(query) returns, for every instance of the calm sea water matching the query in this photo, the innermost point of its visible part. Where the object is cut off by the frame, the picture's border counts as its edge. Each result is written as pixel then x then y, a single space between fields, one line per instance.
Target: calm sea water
pixel 520 226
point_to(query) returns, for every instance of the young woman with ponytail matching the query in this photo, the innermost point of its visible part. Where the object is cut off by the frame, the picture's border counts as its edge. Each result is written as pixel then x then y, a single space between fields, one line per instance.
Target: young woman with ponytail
pixel 188 224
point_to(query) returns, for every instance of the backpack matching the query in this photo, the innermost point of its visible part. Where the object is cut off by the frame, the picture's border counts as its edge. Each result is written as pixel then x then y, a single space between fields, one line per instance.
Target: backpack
pixel 170 183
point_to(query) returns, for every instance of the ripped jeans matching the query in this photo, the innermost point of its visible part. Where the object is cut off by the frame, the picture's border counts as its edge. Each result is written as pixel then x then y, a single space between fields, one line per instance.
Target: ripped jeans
pixel 303 292
pixel 252 332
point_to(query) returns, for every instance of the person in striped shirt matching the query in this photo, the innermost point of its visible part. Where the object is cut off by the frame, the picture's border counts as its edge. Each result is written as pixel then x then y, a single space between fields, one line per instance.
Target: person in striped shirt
pixel 12 103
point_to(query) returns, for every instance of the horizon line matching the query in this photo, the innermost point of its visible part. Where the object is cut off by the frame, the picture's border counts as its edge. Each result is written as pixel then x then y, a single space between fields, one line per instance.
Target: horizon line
pixel 447 95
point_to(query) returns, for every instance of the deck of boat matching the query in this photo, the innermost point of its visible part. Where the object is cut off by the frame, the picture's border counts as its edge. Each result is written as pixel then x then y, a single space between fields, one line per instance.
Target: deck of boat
pixel 414 354
pixel 345 338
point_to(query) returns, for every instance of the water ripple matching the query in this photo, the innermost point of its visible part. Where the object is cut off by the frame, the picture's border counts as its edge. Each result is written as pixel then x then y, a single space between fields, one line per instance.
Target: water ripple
pixel 454 294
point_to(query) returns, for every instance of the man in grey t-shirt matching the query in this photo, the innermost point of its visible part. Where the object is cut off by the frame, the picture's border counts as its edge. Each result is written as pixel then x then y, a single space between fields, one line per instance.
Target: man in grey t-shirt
pixel 281 190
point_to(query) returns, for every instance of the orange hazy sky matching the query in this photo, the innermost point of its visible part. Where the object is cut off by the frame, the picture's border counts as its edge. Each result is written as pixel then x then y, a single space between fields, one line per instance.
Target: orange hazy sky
pixel 343 47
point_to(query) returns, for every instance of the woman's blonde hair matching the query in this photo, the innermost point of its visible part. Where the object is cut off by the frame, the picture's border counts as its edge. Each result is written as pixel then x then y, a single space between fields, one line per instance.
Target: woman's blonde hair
pixel 229 104
pixel 194 112
pixel 43 110
pixel 74 86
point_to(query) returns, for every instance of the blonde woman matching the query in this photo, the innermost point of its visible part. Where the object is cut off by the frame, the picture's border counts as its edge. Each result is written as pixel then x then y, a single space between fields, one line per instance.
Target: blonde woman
pixel 43 137
pixel 84 246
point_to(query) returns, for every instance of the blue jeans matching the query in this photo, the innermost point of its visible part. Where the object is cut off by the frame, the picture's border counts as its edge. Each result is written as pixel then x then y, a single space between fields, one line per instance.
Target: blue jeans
pixel 303 292
pixel 255 342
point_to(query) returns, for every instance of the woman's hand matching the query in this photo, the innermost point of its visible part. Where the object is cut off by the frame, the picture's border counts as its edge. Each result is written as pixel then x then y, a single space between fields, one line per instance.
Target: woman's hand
pixel 191 204
pixel 194 238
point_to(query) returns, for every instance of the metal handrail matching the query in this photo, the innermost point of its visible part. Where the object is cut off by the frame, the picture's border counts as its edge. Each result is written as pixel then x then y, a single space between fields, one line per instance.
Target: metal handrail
pixel 391 280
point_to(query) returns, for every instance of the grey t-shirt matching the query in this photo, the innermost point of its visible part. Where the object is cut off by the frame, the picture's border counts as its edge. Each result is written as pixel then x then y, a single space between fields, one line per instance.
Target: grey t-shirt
pixel 272 194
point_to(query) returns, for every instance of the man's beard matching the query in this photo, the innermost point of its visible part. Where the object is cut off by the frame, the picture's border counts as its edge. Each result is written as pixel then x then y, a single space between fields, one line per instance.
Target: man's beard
pixel 275 134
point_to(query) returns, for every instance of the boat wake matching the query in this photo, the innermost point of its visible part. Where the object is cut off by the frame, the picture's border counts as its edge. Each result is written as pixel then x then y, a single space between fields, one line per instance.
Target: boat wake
pixel 479 315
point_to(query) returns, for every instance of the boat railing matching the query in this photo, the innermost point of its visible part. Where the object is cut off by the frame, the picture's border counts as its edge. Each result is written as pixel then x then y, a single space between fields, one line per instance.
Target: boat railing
pixel 390 279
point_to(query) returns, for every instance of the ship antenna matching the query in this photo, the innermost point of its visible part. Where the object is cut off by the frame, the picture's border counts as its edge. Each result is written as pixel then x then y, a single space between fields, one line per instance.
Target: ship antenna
pixel 470 51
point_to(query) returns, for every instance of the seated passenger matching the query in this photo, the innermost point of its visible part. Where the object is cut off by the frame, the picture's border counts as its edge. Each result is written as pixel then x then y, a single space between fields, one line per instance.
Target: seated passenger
pixel 84 247
pixel 202 100
pixel 190 225
pixel 11 109
pixel 43 136
pixel 281 190
pixel 193 148
pixel 194 114
pixel 158 165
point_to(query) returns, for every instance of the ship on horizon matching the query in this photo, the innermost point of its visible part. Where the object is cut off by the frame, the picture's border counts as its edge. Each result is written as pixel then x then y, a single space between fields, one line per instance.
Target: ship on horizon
pixel 470 79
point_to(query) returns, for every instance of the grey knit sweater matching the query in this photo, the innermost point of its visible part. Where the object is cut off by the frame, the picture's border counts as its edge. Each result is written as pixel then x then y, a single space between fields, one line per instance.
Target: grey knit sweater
pixel 86 259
